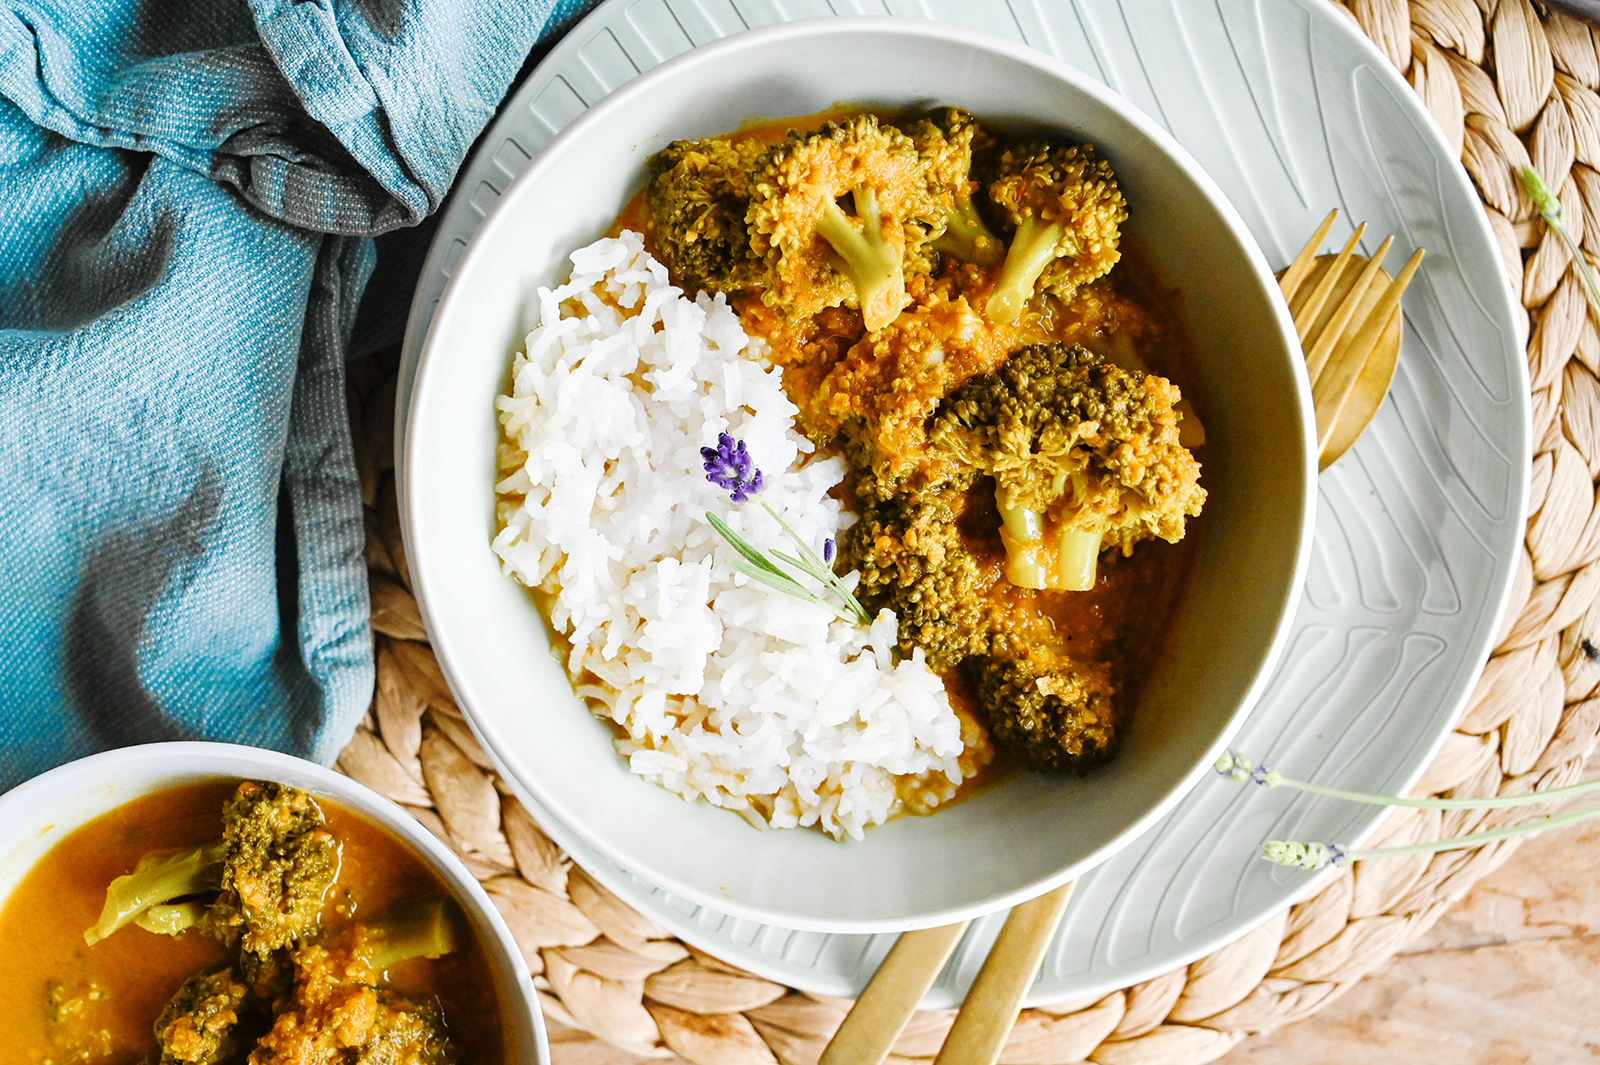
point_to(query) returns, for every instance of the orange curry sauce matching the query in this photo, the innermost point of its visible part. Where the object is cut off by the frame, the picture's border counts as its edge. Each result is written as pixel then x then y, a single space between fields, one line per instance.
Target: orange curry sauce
pixel 834 371
pixel 62 1001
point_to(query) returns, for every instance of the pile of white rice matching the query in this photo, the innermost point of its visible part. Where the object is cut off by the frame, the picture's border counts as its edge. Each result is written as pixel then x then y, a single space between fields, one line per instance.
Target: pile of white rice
pixel 726 689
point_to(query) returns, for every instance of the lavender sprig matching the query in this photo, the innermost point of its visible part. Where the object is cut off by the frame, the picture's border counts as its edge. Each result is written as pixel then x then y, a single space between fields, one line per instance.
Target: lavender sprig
pixel 730 467
pixel 1319 855
pixel 1549 207
pixel 1239 767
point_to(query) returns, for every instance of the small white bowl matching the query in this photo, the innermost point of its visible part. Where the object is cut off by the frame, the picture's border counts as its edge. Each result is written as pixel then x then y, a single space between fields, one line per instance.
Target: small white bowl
pixel 39 813
pixel 1015 840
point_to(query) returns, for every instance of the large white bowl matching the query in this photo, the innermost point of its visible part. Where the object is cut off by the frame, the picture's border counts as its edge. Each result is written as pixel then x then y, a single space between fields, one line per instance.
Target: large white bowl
pixel 1016 840
pixel 38 814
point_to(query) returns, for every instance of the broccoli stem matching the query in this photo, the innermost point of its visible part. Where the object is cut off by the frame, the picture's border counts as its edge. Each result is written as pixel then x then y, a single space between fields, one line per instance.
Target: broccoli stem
pixel 1043 554
pixel 169 920
pixel 1076 559
pixel 1032 249
pixel 157 880
pixel 966 237
pixel 872 266
pixel 1022 534
pixel 1025 526
pixel 421 930
pixel 1025 562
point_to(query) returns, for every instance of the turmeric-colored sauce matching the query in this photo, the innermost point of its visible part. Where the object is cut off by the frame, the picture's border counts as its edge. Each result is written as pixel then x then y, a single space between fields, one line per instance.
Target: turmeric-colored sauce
pixel 893 379
pixel 64 1002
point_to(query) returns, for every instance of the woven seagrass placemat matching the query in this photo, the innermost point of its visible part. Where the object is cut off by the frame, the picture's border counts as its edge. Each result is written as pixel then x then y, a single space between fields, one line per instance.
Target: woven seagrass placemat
pixel 1511 85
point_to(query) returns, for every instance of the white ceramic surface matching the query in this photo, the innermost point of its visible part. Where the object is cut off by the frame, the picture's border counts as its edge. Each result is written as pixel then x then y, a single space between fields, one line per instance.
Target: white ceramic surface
pixel 39 813
pixel 1016 839
pixel 1291 111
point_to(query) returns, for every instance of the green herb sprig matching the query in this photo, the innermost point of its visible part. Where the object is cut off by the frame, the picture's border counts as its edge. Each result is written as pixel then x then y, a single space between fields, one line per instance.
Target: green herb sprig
pixel 1549 208
pixel 729 466
pixel 1238 767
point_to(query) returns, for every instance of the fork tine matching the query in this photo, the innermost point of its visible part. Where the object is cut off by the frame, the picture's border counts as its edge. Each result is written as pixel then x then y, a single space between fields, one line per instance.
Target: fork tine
pixel 1317 357
pixel 1296 271
pixel 1319 295
pixel 1331 393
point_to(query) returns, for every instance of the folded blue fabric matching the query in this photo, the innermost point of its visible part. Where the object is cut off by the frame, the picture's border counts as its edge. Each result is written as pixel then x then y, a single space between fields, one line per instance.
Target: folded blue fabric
pixel 188 195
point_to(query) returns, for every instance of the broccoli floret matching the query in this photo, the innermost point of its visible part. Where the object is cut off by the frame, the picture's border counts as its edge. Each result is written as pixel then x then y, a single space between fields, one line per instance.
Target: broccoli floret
pixel 200 1025
pixel 818 255
pixel 698 196
pixel 321 1001
pixel 406 1032
pixel 911 558
pixel 946 140
pixel 339 1014
pixel 421 929
pixel 155 895
pixel 1085 456
pixel 264 880
pixel 1057 719
pixel 281 860
pixel 1068 212
pixel 359 1026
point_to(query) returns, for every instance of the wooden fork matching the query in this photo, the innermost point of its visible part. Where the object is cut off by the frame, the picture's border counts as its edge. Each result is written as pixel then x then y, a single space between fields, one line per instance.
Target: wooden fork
pixel 1349 327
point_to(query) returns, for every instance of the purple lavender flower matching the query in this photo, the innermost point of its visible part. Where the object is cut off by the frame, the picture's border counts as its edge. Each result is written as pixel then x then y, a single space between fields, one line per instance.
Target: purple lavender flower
pixel 729 466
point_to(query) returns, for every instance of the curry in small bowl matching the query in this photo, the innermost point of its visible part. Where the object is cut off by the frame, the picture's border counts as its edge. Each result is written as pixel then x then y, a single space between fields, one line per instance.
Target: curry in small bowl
pixel 245 922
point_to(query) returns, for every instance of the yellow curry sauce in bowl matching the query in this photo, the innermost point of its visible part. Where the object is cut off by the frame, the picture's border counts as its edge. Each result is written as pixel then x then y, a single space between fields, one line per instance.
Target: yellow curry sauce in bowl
pixel 69 834
pixel 887 397
pixel 1203 662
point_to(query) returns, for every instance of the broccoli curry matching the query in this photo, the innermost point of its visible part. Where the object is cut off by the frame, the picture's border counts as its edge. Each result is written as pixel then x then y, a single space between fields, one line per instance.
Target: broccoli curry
pixel 956 317
pixel 233 923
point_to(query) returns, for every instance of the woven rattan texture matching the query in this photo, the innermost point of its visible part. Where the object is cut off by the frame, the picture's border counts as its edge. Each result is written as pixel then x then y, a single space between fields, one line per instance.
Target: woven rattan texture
pixel 1510 84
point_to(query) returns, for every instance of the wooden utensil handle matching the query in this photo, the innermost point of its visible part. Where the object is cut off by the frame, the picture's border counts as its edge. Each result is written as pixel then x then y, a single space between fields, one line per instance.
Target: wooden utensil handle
pixel 881 1013
pixel 990 1011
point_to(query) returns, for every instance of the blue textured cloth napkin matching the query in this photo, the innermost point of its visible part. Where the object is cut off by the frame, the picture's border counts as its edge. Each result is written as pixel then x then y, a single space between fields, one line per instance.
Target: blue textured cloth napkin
pixel 189 191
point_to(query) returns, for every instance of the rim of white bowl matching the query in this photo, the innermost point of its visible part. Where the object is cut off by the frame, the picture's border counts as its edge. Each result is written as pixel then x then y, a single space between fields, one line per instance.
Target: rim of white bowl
pixel 25 816
pixel 712 52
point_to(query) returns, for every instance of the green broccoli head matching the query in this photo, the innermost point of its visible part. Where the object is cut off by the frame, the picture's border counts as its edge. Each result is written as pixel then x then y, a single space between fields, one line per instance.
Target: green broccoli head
pixel 264 880
pixel 909 552
pixel 832 213
pixel 200 1025
pixel 1084 455
pixel 280 861
pixel 698 197
pixel 1067 211
pixel 339 1014
pixel 1057 719
pixel 406 1032
pixel 947 140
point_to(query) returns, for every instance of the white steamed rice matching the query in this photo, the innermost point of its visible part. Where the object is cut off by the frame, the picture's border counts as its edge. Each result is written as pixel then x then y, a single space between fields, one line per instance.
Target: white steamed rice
pixel 726 689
